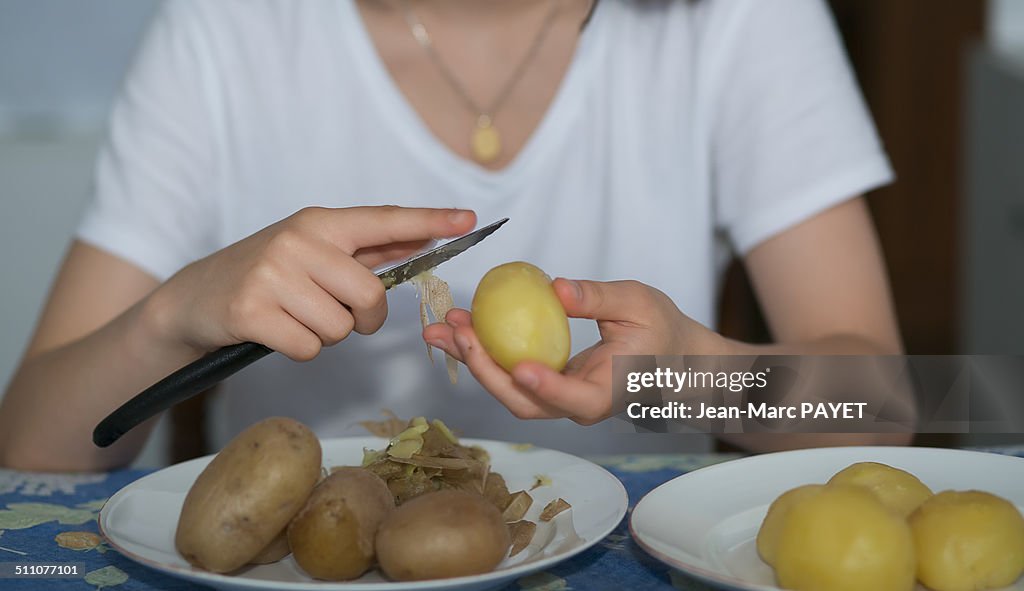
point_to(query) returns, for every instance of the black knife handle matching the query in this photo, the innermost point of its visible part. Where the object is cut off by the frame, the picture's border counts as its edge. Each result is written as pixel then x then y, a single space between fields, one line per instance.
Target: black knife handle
pixel 196 377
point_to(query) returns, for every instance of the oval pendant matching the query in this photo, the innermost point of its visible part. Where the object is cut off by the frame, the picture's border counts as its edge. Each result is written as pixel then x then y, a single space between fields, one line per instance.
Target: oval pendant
pixel 485 143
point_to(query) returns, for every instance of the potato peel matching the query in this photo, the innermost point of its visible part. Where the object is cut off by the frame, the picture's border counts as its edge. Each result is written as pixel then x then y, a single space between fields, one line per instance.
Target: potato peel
pixel 436 296
pixel 437 462
pixel 405 448
pixel 554 508
pixel 518 505
pixel 389 427
pixel 522 533
pixel 426 456
pixel 496 491
pixel 539 481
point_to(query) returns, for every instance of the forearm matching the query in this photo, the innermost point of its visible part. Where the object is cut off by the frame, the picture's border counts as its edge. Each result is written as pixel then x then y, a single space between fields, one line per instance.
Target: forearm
pixel 57 397
pixel 837 344
pixel 830 345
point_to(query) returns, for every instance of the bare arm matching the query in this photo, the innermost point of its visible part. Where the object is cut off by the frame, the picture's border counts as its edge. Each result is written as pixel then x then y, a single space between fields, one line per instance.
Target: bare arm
pixel 824 289
pixel 109 330
pixel 92 350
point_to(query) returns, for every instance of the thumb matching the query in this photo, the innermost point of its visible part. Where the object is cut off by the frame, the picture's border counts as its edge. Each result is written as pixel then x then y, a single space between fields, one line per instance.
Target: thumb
pixel 614 300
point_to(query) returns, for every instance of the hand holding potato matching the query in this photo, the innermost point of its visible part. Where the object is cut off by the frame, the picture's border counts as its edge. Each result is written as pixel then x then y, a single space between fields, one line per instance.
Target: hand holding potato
pixel 633 319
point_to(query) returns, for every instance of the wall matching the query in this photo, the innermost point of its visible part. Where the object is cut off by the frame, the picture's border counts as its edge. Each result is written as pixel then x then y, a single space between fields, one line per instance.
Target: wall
pixel 1006 25
pixel 63 61
pixel 993 220
pixel 62 64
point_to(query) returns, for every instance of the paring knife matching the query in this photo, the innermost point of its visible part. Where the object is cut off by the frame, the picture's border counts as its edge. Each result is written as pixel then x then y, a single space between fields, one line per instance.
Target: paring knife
pixel 204 373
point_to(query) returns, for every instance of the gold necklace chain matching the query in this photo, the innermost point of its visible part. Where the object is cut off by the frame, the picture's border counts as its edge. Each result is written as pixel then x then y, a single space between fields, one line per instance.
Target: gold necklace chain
pixel 485 141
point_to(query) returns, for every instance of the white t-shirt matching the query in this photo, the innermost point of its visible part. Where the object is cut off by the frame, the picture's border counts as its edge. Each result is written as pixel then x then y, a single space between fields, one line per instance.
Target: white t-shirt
pixel 682 131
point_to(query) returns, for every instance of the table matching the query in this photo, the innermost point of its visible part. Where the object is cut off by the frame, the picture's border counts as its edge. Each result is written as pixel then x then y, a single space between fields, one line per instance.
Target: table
pixel 51 518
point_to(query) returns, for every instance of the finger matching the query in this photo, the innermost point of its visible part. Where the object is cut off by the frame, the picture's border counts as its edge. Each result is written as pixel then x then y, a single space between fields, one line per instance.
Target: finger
pixel 571 395
pixel 623 301
pixel 317 310
pixel 442 336
pixel 352 284
pixel 497 381
pixel 360 227
pixel 458 317
pixel 375 256
pixel 580 359
pixel 286 335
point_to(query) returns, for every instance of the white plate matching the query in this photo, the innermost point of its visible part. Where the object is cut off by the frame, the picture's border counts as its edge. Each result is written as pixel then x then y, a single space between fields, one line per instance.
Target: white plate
pixel 704 523
pixel 140 519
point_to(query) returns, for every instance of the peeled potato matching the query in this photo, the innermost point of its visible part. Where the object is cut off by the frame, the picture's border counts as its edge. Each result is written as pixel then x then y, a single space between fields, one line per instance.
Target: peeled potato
pixel 518 317
pixel 771 527
pixel 332 538
pixel 449 533
pixel 898 490
pixel 968 541
pixel 841 538
pixel 247 495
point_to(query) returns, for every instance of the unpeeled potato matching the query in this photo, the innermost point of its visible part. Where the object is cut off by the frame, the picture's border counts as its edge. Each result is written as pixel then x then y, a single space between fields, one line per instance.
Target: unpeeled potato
pixel 898 490
pixel 247 494
pixel 449 533
pixel 771 528
pixel 276 550
pixel 332 538
pixel 841 538
pixel 518 317
pixel 968 541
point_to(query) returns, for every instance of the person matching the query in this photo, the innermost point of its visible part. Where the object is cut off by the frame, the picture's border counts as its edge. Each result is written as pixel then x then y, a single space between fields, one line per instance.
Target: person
pixel 264 156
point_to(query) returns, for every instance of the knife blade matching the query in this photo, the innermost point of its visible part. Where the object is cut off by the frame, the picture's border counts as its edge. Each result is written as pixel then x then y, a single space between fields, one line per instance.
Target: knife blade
pixel 212 368
pixel 430 259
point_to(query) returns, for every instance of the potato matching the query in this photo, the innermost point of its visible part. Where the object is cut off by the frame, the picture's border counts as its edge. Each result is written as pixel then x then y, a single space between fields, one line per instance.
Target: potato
pixel 332 537
pixel 771 527
pixel 898 490
pixel 968 541
pixel 449 533
pixel 841 538
pixel 248 494
pixel 518 317
pixel 276 550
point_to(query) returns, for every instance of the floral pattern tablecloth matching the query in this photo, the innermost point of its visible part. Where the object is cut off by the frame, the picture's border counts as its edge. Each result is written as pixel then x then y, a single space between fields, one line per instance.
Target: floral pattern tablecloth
pixel 51 519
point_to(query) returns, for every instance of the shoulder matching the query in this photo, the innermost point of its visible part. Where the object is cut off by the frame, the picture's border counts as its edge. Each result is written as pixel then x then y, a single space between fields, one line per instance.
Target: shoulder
pixel 247 20
pixel 715 22
pixel 242 11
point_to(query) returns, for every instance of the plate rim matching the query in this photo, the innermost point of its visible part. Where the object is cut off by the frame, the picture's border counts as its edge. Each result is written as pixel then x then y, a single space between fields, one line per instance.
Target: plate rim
pixel 718 578
pixel 224 580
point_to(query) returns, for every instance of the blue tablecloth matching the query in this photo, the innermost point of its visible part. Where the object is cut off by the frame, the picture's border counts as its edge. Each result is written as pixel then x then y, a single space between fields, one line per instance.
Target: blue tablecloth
pixel 51 519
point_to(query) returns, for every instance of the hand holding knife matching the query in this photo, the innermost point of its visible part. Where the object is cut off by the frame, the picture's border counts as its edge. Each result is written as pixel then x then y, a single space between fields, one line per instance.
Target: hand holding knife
pixel 217 366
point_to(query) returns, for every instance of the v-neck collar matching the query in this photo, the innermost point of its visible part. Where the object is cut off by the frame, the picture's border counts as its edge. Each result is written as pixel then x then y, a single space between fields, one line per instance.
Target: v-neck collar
pixel 399 113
